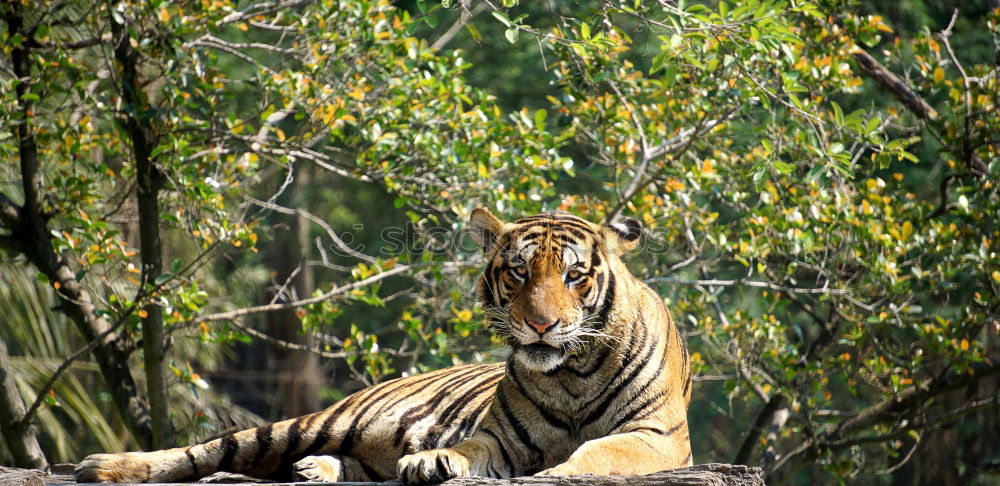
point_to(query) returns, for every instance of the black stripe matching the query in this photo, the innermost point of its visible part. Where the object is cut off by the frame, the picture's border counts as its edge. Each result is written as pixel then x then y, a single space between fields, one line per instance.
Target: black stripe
pixel 503 451
pixel 229 449
pixel 609 296
pixel 546 414
pixel 602 408
pixel 323 437
pixel 194 464
pixel 288 457
pixel 449 414
pixel 353 431
pixel 416 414
pixel 576 235
pixel 561 216
pixel 667 433
pixel 372 474
pixel 263 435
pixel 596 361
pixel 629 415
pixel 465 428
pixel 522 433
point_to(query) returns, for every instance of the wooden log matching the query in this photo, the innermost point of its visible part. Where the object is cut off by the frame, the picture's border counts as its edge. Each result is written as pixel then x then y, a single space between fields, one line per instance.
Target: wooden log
pixel 701 475
pixel 21 477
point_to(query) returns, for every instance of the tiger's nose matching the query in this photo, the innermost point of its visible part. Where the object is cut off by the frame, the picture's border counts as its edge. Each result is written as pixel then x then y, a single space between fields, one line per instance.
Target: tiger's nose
pixel 541 327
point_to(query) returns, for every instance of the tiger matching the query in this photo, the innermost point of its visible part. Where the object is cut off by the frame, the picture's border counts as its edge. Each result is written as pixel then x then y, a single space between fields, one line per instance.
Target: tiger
pixel 598 381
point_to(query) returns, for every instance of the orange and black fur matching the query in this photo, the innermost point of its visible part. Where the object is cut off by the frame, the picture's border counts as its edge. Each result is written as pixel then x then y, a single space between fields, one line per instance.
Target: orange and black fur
pixel 598 381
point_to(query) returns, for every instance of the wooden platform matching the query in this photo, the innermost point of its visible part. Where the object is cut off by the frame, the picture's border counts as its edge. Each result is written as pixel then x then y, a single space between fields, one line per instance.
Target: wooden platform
pixel 701 475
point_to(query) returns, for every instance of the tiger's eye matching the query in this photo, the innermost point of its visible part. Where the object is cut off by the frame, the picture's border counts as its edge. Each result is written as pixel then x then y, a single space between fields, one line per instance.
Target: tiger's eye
pixel 521 270
pixel 573 275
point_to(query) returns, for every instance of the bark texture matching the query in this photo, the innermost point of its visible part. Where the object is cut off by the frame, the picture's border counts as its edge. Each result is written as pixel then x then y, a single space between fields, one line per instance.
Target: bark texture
pixel 17 434
pixel 701 475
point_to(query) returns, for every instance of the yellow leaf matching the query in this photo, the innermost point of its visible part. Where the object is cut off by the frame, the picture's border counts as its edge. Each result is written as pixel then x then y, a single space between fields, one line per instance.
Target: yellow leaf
pixel 965 345
pixel 164 14
pixel 143 314
pixel 707 168
pixel 907 230
pixel 938 75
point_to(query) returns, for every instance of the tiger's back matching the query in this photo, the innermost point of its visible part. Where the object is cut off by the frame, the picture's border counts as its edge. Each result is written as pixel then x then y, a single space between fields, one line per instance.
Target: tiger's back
pixel 368 432
pixel 598 381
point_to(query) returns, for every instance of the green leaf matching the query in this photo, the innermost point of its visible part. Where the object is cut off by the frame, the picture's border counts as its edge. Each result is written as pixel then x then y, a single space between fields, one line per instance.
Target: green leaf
pixel 511 34
pixel 783 167
pixel 540 116
pixel 473 32
pixel 502 17
pixel 838 114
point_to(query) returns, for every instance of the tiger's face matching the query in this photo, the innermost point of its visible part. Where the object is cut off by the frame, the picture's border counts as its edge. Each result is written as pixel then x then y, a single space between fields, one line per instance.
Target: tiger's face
pixel 548 282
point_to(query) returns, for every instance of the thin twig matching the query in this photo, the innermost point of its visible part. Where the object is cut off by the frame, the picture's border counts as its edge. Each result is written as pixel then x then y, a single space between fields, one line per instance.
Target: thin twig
pixel 743 282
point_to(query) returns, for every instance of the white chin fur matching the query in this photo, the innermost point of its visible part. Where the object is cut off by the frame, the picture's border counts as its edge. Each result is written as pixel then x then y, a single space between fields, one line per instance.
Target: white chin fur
pixel 539 364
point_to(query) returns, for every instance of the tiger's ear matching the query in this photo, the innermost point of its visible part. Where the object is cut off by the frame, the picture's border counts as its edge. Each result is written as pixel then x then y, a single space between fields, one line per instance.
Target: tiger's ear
pixel 622 236
pixel 484 228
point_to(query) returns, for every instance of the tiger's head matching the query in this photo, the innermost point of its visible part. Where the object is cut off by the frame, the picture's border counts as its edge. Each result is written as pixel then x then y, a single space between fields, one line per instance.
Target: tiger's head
pixel 548 282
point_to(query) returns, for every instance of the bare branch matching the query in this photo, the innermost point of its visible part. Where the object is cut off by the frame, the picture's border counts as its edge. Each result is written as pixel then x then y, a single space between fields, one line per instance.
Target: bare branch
pixel 677 144
pixel 743 282
pixel 452 31
pixel 225 316
pixel 894 85
pixel 319 222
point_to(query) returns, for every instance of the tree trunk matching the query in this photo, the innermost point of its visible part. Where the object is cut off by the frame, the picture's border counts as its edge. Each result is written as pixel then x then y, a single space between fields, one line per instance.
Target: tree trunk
pixel 149 180
pixel 18 434
pixel 31 236
pixel 299 376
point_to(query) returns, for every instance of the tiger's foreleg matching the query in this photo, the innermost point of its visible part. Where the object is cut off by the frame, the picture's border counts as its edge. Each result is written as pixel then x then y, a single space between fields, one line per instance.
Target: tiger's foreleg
pixel 482 455
pixel 643 451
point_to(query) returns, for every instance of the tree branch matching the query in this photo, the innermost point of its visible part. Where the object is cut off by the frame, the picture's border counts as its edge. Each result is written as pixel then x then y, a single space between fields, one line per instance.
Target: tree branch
pixel 894 85
pixel 464 17
pixel 230 315
pixel 744 282
pixel 16 432
pixel 886 411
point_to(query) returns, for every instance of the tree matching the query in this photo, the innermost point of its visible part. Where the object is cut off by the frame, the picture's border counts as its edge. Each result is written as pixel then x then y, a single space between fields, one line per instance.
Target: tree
pixel 140 108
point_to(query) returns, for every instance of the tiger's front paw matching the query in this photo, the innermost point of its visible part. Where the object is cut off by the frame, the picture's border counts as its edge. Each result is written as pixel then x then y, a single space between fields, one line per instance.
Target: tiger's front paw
pixel 433 466
pixel 113 468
